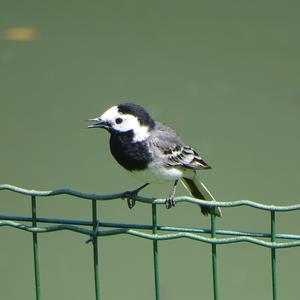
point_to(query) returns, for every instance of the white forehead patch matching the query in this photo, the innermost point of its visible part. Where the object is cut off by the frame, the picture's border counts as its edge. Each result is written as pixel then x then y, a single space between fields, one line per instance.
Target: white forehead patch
pixel 130 122
pixel 110 114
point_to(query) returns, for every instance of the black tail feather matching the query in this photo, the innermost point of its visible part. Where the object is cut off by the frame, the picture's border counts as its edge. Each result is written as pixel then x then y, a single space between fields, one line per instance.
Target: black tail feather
pixel 206 210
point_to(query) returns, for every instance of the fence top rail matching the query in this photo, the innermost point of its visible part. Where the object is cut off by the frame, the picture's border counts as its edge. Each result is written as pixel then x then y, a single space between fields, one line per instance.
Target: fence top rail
pixel 149 200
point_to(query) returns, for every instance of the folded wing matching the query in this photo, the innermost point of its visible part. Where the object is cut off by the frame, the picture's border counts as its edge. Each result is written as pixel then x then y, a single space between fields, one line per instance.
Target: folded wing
pixel 173 151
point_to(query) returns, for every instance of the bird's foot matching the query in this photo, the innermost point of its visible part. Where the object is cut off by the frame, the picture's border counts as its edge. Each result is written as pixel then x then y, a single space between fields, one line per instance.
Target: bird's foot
pixel 170 201
pixel 130 197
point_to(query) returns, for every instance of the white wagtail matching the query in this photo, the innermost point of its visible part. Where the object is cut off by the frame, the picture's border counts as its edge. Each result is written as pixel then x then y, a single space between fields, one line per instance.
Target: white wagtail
pixel 152 152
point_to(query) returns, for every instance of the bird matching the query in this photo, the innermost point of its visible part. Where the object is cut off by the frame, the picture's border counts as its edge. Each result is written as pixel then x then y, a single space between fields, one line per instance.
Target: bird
pixel 153 153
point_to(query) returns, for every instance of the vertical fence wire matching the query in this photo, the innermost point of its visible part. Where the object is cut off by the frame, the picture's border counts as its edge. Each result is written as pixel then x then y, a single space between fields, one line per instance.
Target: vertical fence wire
pixel 95 250
pixel 35 251
pixel 155 253
pixel 214 256
pixel 273 256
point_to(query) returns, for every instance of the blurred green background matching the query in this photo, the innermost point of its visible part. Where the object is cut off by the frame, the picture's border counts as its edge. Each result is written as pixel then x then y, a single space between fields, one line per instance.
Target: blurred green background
pixel 224 74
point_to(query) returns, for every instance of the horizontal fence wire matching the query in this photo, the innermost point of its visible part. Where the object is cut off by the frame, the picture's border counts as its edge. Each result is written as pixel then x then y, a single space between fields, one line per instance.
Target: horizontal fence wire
pixel 149 200
pixel 264 239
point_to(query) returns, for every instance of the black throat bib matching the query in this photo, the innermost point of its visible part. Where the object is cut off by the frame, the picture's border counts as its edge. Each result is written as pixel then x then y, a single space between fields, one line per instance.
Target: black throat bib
pixel 130 155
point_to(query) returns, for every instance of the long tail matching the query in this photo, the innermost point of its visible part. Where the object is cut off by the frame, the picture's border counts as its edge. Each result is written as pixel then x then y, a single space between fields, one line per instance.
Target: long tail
pixel 199 190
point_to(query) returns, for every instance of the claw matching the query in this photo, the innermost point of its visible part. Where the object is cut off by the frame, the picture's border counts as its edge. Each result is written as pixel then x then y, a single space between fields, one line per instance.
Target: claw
pixel 130 197
pixel 130 203
pixel 170 201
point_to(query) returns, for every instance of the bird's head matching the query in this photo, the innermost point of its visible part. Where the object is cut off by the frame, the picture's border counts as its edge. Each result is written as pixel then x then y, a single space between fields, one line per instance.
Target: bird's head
pixel 124 118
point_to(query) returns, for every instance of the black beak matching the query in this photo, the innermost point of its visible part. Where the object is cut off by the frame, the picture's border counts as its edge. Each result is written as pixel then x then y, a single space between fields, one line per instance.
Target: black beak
pixel 99 123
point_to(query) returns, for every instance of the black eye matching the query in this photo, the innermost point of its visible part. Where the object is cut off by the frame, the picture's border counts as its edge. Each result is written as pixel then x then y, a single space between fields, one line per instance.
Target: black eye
pixel 119 120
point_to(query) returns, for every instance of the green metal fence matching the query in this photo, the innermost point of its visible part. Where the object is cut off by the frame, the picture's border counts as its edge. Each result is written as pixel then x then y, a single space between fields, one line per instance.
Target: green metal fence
pixel 96 230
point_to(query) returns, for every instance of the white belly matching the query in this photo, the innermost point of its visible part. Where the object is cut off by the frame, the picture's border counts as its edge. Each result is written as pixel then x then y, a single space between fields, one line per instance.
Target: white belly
pixel 155 174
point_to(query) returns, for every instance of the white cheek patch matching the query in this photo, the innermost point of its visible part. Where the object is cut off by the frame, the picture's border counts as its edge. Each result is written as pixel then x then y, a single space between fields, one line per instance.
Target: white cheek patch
pixel 141 133
pixel 130 122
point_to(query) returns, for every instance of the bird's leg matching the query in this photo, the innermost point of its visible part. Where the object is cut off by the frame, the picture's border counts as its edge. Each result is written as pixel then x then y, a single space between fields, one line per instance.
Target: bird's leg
pixel 131 195
pixel 170 201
